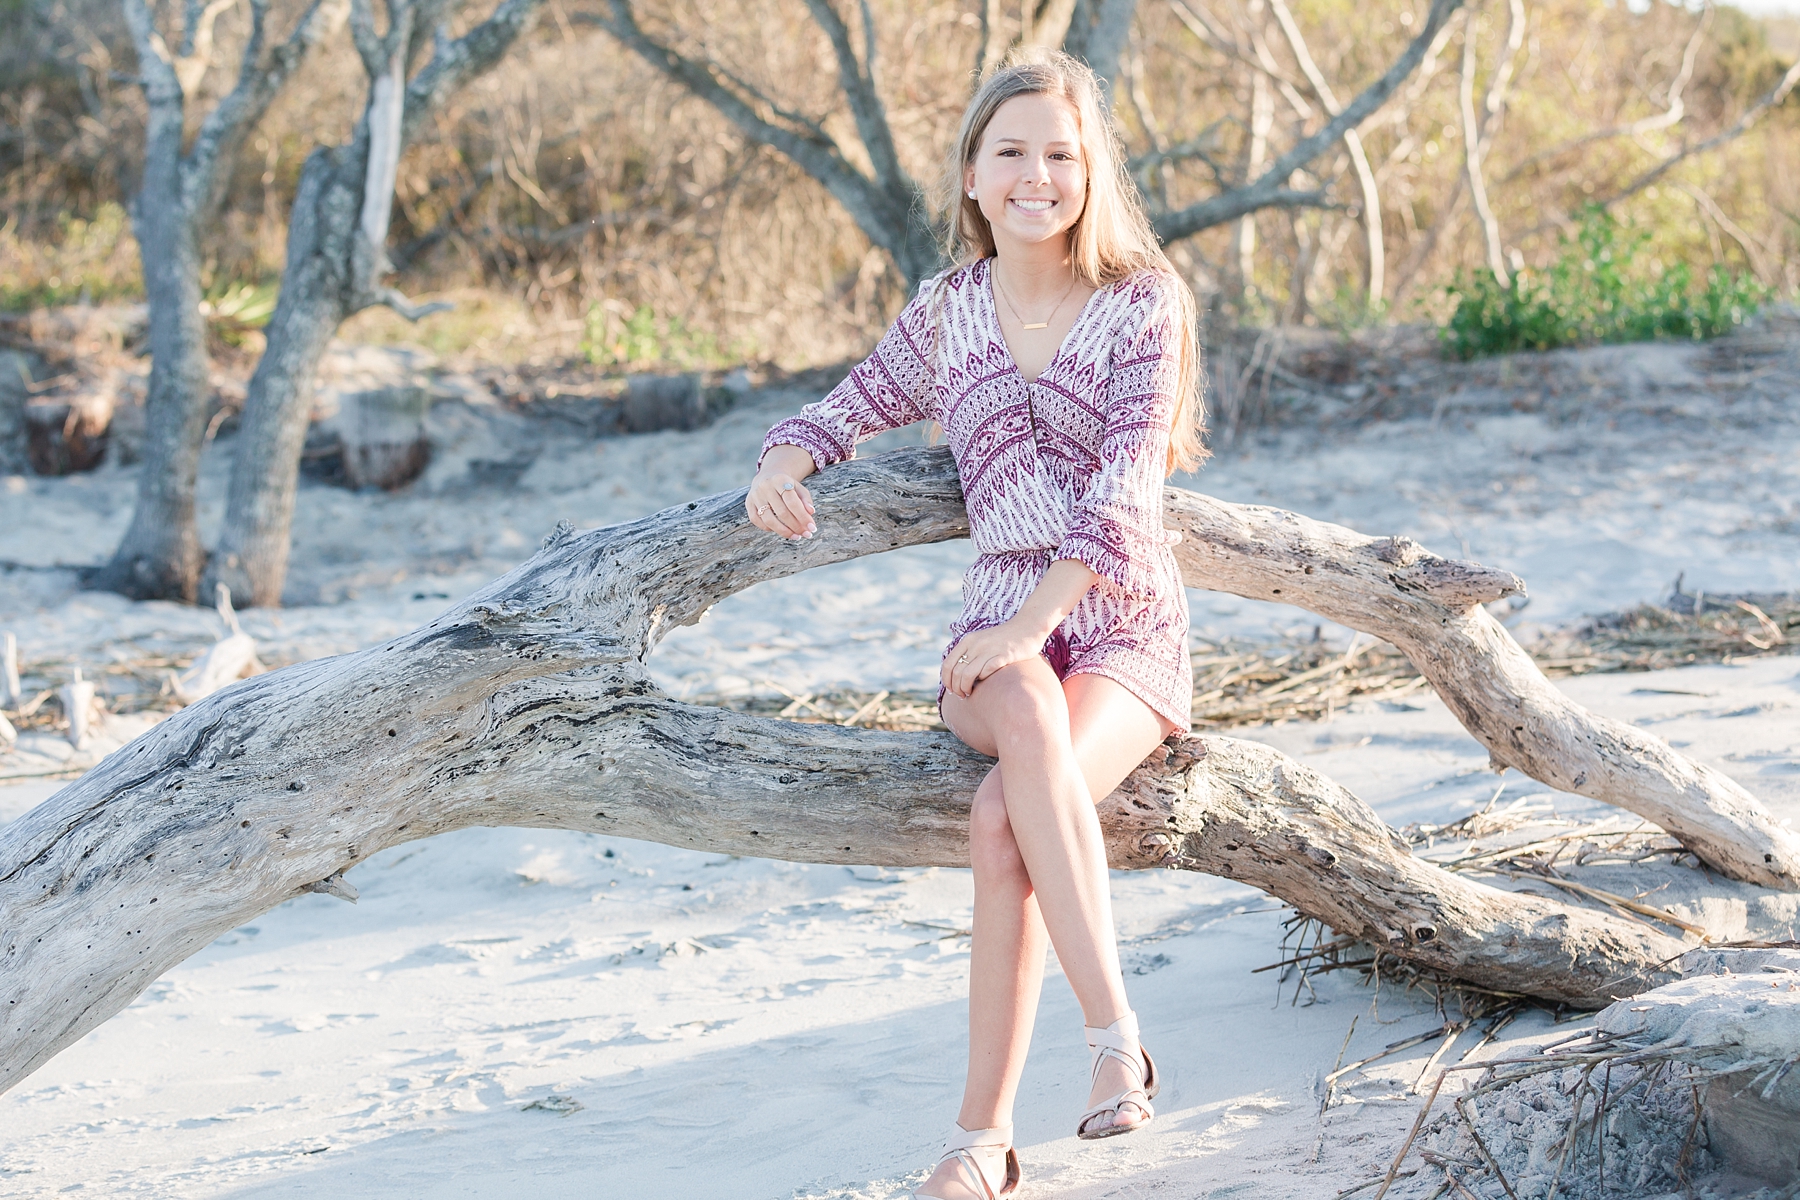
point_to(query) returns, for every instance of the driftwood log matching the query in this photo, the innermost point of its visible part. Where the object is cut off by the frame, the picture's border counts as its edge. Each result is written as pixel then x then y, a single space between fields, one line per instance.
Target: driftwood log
pixel 1430 608
pixel 529 705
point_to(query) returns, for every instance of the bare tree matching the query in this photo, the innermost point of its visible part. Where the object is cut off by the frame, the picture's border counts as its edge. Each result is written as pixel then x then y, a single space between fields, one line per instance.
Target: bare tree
pixel 1273 188
pixel 182 188
pixel 890 206
pixel 1478 135
pixel 1365 175
pixel 886 203
pixel 335 266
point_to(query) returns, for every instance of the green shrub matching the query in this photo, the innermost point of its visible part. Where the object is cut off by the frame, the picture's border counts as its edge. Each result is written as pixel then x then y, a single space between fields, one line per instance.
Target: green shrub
pixel 89 261
pixel 233 309
pixel 1601 288
pixel 643 339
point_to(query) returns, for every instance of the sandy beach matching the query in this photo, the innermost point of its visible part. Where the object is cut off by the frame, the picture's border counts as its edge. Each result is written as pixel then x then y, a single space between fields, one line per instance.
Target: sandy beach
pixel 506 1013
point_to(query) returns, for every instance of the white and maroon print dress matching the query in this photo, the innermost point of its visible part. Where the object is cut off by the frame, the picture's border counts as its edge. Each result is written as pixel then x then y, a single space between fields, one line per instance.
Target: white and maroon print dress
pixel 1069 466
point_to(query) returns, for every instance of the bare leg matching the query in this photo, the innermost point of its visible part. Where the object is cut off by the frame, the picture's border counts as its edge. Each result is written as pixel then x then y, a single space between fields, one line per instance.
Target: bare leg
pixel 1059 746
pixel 1006 962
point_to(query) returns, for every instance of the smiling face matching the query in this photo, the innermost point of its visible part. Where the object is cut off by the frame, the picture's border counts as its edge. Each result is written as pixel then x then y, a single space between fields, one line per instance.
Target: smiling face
pixel 1028 175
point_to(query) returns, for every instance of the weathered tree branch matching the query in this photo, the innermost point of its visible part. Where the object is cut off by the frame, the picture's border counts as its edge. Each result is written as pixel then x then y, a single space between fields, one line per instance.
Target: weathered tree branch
pixel 529 704
pixel 1365 176
pixel 890 208
pixel 1266 190
pixel 1430 608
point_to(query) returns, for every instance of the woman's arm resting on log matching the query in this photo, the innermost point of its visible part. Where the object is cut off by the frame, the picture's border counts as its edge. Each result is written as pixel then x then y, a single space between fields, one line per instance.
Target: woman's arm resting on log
pixel 777 502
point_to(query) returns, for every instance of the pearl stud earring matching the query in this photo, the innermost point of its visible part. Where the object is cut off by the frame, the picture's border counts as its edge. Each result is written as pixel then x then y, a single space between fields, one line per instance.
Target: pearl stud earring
pixel 971 195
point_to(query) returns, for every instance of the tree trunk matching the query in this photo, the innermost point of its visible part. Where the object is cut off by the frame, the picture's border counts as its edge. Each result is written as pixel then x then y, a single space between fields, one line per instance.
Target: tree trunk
pixel 160 557
pixel 529 705
pixel 15 389
pixel 316 296
pixel 334 268
pixel 1097 33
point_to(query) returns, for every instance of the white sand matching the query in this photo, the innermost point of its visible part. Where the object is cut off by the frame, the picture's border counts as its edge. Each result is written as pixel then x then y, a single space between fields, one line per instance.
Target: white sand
pixel 742 1028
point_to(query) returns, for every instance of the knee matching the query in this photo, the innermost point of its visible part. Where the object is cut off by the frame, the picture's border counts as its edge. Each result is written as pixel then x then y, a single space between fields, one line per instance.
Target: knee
pixel 992 849
pixel 1025 709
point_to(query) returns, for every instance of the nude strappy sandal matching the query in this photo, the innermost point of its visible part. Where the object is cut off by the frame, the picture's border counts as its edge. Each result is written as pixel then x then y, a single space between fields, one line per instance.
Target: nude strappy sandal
pixel 1120 1040
pixel 969 1149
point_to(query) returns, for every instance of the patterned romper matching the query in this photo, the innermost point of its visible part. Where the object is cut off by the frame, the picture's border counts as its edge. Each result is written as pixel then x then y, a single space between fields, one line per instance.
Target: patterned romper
pixel 1070 466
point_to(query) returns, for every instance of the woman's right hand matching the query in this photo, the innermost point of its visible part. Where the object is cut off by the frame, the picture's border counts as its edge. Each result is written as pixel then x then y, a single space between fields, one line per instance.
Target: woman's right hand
pixel 777 502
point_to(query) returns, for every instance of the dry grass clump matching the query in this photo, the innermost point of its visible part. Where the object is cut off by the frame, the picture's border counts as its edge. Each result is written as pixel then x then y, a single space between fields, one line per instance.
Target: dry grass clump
pixel 1593 1115
pixel 1249 683
pixel 903 710
pixel 1686 629
pixel 1529 839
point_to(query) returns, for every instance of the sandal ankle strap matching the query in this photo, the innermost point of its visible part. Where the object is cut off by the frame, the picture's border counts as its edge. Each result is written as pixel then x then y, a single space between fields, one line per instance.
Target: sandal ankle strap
pixel 1122 1034
pixel 999 1137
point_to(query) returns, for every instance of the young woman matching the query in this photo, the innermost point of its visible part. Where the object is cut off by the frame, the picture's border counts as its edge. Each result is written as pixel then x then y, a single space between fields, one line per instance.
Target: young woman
pixel 1060 359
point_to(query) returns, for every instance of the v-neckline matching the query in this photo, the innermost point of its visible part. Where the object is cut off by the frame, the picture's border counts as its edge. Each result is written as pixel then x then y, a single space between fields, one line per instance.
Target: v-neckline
pixel 994 311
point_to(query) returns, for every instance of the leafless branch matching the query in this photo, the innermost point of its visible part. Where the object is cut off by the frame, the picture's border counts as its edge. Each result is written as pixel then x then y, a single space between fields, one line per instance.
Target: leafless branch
pixel 858 83
pixel 259 82
pixel 156 65
pixel 410 309
pixel 1738 129
pixel 889 208
pixel 1472 160
pixel 197 41
pixel 1270 190
pixel 454 62
pixel 1203 26
pixel 1200 147
pixel 1671 116
pixel 1352 142
pixel 809 145
pixel 1494 105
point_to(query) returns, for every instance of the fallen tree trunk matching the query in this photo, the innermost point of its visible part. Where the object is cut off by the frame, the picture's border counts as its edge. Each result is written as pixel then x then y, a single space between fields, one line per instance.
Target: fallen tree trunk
pixel 528 705
pixel 1430 608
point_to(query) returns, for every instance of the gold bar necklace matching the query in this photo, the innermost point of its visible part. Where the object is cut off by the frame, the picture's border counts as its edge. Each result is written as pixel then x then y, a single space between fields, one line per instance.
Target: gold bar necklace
pixel 1023 323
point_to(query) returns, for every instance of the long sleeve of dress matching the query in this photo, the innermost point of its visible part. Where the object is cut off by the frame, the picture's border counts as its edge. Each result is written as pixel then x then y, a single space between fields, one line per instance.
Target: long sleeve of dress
pixel 1116 526
pixel 889 389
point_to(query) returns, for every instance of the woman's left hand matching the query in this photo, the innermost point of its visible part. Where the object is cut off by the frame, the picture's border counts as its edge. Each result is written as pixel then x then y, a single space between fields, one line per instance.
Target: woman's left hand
pixel 985 651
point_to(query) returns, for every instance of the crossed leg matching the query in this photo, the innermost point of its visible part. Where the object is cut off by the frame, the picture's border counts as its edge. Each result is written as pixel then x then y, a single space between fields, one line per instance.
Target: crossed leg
pixel 1040 869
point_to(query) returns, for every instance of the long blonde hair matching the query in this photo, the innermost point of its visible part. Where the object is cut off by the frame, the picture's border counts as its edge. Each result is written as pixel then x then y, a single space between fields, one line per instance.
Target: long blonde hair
pixel 1110 241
